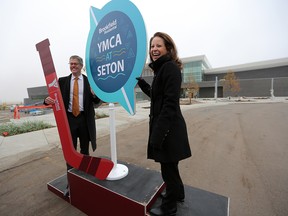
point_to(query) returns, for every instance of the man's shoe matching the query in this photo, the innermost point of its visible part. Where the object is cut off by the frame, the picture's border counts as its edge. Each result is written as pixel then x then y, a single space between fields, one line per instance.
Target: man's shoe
pixel 158 211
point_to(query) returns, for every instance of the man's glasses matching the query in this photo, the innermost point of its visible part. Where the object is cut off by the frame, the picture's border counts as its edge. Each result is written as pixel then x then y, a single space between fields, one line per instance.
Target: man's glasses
pixel 73 64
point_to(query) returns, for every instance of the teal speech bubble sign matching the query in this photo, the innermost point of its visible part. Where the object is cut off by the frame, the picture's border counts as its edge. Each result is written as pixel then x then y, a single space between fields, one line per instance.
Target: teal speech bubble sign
pixel 116 52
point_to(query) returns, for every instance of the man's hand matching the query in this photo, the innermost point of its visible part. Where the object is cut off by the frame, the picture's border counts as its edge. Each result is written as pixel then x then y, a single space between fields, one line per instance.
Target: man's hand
pixel 92 92
pixel 49 101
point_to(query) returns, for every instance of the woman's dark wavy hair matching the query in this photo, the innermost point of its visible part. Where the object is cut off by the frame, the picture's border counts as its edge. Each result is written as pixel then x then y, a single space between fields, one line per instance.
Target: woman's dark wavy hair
pixel 170 46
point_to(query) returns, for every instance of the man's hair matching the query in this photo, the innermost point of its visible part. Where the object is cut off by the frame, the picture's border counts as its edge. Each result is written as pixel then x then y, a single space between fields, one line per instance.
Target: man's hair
pixel 80 60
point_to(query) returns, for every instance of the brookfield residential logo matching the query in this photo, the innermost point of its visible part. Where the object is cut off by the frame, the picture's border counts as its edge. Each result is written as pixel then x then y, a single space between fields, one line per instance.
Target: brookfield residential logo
pixel 57 105
pixel 109 27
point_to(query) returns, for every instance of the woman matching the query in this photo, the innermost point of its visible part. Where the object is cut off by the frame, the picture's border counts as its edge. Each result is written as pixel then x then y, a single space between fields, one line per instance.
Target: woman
pixel 168 140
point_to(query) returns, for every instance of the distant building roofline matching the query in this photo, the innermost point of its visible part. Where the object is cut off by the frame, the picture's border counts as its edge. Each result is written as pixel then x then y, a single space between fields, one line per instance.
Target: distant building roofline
pixel 197 58
pixel 249 66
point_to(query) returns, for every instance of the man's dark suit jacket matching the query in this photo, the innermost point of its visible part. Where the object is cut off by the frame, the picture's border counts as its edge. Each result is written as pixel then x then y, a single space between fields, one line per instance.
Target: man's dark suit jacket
pixel 88 102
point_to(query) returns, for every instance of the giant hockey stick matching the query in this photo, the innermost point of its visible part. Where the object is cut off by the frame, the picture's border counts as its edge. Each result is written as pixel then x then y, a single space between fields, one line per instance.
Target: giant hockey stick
pixel 96 166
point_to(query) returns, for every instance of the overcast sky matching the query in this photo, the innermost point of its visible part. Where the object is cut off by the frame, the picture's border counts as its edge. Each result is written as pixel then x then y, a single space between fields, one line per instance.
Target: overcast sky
pixel 228 32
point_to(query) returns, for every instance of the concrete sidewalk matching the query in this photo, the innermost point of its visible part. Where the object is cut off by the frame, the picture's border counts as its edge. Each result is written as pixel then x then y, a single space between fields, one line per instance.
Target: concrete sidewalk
pixel 14 148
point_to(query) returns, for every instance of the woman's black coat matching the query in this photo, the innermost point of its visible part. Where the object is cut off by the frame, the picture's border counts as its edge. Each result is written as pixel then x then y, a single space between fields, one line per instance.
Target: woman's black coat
pixel 168 138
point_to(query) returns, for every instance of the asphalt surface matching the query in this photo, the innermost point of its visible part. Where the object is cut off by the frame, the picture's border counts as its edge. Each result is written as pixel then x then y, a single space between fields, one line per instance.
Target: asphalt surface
pixel 240 150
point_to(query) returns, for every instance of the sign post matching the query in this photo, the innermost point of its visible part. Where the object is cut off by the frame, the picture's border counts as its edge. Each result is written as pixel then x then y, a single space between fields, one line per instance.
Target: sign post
pixel 115 55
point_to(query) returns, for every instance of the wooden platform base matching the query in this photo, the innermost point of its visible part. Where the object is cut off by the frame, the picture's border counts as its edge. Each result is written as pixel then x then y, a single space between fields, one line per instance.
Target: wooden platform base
pixel 133 195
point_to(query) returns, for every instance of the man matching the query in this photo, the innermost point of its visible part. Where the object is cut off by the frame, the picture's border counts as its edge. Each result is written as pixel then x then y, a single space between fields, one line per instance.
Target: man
pixel 79 100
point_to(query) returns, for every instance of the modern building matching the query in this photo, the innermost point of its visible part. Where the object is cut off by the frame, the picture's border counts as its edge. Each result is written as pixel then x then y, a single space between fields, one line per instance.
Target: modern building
pixel 36 95
pixel 257 79
pixel 193 71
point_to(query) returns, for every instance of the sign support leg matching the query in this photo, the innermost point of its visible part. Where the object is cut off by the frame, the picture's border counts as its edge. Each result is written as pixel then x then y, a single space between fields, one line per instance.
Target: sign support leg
pixel 119 171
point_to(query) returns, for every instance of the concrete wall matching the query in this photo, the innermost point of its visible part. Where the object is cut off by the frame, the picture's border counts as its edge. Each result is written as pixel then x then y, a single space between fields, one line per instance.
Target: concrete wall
pixel 262 87
pixel 272 72
pixel 248 88
pixel 253 83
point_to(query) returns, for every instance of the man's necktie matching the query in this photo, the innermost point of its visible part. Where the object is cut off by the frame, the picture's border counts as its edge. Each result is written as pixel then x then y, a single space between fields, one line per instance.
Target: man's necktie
pixel 75 102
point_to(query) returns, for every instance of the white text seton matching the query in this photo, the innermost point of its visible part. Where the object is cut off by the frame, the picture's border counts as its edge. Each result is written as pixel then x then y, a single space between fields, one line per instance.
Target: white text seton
pixel 111 68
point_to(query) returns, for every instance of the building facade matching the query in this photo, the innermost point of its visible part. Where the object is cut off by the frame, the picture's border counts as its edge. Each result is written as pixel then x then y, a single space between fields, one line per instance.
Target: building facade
pixel 258 79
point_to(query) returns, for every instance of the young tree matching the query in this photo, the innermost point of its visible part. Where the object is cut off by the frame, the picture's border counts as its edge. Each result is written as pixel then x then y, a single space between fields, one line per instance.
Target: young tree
pixel 231 83
pixel 192 88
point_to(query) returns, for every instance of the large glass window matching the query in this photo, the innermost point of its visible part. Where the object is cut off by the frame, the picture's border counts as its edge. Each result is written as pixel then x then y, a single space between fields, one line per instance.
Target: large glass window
pixel 192 71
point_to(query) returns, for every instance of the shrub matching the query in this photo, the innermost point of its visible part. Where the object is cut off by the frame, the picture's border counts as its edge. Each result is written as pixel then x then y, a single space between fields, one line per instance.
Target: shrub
pixel 101 115
pixel 25 127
